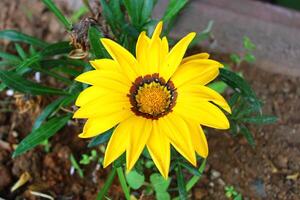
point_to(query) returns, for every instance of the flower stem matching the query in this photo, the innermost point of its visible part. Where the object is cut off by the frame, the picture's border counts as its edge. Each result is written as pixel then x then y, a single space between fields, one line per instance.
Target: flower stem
pixel 107 184
pixel 181 183
pixel 123 182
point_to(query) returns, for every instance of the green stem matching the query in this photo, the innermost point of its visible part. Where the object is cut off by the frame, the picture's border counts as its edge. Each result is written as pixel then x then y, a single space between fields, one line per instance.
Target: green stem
pixel 107 184
pixel 181 183
pixel 123 182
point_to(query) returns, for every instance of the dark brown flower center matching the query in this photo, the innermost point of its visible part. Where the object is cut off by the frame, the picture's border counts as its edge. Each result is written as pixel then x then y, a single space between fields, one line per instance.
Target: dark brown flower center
pixel 151 97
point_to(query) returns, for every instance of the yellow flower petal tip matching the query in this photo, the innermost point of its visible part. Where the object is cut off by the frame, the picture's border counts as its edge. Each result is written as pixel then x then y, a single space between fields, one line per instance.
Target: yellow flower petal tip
pixel 151 100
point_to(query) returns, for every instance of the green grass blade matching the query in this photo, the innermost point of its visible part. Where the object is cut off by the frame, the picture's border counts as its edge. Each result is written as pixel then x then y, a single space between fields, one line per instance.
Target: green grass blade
pixel 123 183
pixel 41 134
pixel 109 180
pixel 16 36
pixel 181 183
pixel 190 184
pixel 18 83
pixel 54 9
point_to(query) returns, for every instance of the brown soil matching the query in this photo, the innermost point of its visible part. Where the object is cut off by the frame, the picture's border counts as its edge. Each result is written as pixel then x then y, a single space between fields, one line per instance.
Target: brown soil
pixel 270 171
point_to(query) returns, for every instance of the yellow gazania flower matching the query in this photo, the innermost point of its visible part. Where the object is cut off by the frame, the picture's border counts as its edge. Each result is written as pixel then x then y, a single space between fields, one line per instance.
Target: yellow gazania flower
pixel 155 100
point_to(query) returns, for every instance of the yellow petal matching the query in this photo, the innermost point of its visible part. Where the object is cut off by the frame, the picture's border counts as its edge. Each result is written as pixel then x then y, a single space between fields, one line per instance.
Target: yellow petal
pixel 154 55
pixel 105 64
pixel 98 125
pixel 126 60
pixel 204 113
pixel 196 72
pixel 139 133
pixel 198 56
pixel 198 138
pixel 157 31
pixel 159 148
pixel 193 94
pixel 89 94
pixel 117 143
pixel 176 129
pixel 142 47
pixel 175 56
pixel 107 79
pixel 103 105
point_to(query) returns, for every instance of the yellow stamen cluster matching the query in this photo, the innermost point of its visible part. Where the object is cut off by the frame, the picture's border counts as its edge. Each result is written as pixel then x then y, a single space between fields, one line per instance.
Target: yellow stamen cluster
pixel 153 99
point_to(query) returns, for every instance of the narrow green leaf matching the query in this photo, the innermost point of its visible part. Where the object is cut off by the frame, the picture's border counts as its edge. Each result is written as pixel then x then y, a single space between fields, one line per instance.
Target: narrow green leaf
pixel 56 49
pixel 41 134
pixel 108 15
pixel 193 170
pixel 235 58
pixel 76 166
pixel 203 35
pixel 181 183
pixel 116 10
pixel 53 8
pixel 134 179
pixel 52 108
pixel 101 194
pixel 146 11
pixel 20 51
pixel 9 57
pixel 237 83
pixel 16 36
pixel 174 7
pixel 22 85
pixel 248 135
pixel 123 183
pixel 27 63
pixel 102 138
pixel 190 184
pixel 96 46
pixel 260 119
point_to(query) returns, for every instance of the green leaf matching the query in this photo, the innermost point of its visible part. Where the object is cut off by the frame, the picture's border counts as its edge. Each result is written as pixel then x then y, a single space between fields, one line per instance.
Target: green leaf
pixel 22 85
pixel 181 183
pixel 101 138
pixel 248 44
pixel 193 170
pixel 162 196
pixel 250 58
pixel 134 179
pixel 54 9
pixel 123 182
pixel 56 49
pixel 146 10
pixel 237 83
pixel 96 46
pixel 174 7
pixel 203 35
pixel 42 133
pixel 9 57
pixel 248 135
pixel 159 183
pixel 51 108
pixel 190 184
pixel 109 180
pixel 235 58
pixel 50 50
pixel 260 119
pixel 20 51
pixel 16 36
pixel 116 10
pixel 108 15
pixel 218 86
pixel 134 8
pixel 76 166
